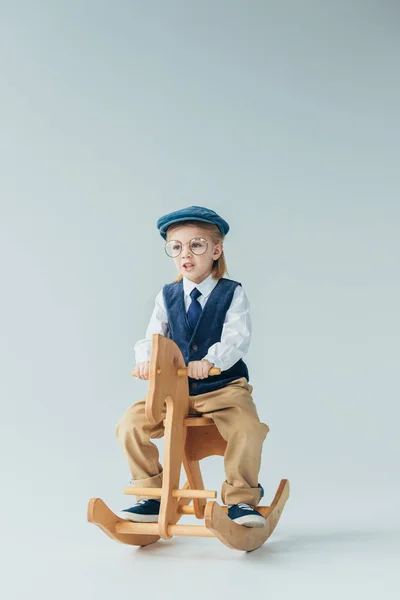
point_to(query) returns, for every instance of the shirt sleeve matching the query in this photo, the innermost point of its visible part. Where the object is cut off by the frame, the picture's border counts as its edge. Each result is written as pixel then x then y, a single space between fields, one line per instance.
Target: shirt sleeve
pixel 158 324
pixel 236 333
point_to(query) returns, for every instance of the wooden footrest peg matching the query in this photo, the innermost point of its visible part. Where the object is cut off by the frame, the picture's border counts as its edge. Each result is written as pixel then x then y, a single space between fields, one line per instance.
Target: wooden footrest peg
pixel 184 493
pixel 189 510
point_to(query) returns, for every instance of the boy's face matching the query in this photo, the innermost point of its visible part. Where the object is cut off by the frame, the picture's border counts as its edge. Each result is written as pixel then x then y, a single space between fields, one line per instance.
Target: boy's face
pixel 199 266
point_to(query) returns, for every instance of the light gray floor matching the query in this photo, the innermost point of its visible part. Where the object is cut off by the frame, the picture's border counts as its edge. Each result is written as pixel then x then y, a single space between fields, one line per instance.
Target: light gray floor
pixel 315 552
pixel 320 563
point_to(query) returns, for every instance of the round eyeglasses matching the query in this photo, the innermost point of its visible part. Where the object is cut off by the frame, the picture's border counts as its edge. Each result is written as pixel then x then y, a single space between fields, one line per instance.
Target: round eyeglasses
pixel 197 245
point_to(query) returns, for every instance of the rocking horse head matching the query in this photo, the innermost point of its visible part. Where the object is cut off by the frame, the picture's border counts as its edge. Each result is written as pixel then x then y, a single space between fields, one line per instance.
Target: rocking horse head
pixel 167 378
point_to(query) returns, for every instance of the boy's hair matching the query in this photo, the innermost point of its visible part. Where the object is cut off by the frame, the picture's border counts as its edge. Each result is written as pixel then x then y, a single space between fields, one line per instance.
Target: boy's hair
pixel 219 268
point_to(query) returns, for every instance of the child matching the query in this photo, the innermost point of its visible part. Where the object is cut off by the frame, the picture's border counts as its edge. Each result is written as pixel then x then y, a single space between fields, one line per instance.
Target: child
pixel 204 307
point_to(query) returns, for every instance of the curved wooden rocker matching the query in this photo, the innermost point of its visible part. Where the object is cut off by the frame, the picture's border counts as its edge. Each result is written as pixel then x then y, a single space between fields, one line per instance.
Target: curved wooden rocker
pixel 186 441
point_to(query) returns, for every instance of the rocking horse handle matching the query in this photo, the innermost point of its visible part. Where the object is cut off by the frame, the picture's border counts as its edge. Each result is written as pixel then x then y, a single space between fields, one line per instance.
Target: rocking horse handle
pixel 212 371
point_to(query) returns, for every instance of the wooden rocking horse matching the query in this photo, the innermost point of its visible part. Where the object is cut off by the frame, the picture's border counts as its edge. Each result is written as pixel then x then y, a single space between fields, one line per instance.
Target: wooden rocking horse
pixel 186 440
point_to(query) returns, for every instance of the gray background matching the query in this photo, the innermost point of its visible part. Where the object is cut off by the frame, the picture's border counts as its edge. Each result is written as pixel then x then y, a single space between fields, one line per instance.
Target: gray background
pixel 284 118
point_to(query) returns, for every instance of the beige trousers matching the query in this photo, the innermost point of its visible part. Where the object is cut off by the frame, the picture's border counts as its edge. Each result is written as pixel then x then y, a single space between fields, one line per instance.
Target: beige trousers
pixel 235 415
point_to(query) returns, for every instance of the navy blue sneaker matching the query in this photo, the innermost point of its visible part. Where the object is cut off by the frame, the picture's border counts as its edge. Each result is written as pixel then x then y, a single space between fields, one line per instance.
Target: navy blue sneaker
pixel 144 511
pixel 246 514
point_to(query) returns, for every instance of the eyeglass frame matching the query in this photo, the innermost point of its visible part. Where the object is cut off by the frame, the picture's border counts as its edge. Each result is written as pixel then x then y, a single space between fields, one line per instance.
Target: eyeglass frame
pixel 195 238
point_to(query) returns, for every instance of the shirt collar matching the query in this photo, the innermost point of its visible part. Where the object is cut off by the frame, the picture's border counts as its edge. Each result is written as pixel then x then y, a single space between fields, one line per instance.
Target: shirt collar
pixel 205 287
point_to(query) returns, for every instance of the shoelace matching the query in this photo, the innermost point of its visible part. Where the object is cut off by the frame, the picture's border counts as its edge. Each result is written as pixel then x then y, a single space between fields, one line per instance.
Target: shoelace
pixel 141 502
pixel 242 505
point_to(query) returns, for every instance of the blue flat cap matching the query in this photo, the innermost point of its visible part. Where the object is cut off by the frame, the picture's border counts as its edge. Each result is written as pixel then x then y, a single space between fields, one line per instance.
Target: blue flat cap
pixel 191 213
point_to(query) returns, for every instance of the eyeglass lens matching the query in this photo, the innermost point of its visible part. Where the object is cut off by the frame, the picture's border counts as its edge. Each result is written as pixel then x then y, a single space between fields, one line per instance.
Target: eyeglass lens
pixel 197 245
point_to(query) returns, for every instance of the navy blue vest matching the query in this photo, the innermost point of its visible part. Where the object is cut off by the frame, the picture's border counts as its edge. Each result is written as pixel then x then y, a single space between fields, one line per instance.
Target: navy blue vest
pixel 194 345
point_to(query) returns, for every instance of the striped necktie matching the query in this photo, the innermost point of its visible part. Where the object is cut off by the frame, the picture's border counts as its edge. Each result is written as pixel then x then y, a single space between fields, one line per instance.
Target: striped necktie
pixel 195 309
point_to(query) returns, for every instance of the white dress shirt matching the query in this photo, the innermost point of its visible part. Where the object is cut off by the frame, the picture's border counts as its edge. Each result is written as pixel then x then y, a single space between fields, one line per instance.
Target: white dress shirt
pixel 236 331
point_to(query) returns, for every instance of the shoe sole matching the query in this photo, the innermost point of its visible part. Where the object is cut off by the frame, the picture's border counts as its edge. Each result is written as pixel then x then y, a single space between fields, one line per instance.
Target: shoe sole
pixel 136 518
pixel 250 521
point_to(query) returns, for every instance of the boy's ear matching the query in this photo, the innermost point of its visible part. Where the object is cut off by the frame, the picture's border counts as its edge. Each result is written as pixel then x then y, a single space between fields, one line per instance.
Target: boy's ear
pixel 218 250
